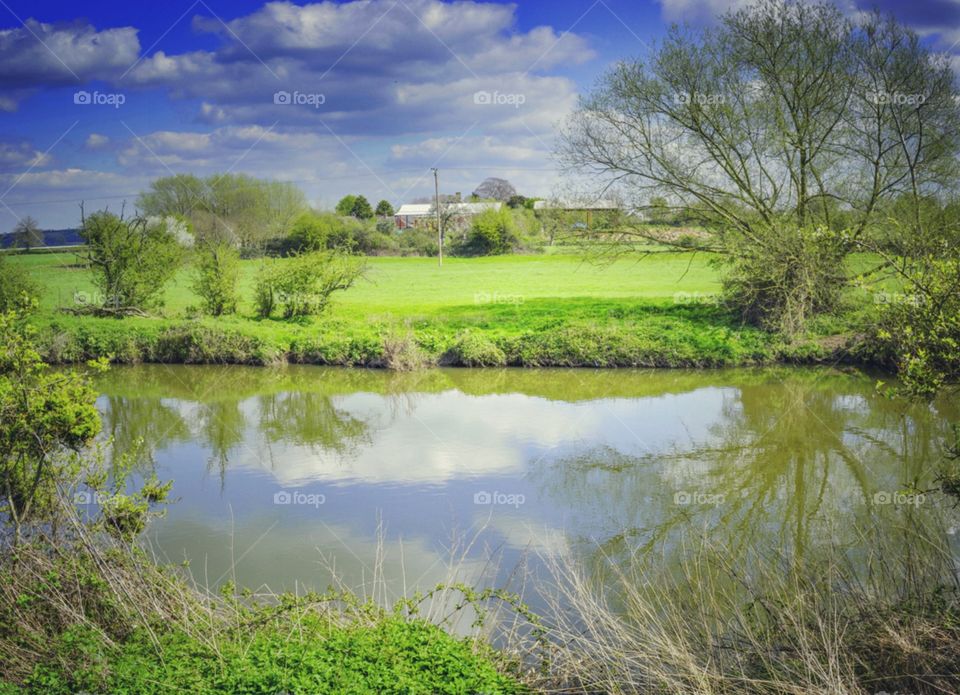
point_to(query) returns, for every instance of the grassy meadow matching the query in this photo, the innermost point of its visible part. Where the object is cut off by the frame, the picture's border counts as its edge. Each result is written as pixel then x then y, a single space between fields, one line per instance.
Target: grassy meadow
pixel 540 310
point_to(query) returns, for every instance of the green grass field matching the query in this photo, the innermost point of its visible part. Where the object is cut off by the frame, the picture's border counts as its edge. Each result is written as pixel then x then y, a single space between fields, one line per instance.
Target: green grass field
pixel 543 310
pixel 411 286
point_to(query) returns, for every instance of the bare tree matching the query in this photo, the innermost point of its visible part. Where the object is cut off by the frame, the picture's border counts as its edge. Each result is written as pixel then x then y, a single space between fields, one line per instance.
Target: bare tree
pixel 787 116
pixel 787 111
pixel 27 234
pixel 497 189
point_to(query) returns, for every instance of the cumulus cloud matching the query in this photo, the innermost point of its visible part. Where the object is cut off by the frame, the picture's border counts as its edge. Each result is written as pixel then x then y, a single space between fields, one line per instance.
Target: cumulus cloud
pixel 341 96
pixel 695 11
pixel 38 55
pixel 95 141
pixel 375 67
pixel 18 156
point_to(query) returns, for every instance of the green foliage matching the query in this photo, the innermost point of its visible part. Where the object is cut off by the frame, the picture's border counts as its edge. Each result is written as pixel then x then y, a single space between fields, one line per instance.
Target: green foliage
pixel 418 241
pixel 920 330
pixel 230 207
pixel 388 654
pixel 916 329
pixel 302 286
pixel 361 208
pixel 384 209
pixel 44 416
pixel 472 349
pixel 345 205
pixel 779 279
pixel 491 232
pixel 132 259
pixel 315 231
pixel 15 285
pixel 179 194
pixel 217 273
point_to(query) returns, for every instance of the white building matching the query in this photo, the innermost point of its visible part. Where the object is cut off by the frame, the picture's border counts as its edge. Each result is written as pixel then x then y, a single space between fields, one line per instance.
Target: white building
pixel 414 214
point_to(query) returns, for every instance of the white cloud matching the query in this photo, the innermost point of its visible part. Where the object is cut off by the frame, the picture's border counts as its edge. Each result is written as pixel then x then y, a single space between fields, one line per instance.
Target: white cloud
pixel 382 68
pixel 698 10
pixel 21 155
pixel 95 141
pixel 40 55
pixel 399 91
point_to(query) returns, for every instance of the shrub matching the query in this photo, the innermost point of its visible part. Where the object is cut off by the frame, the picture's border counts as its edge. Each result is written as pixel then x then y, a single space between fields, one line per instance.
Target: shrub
pixel 302 285
pixel 313 231
pixel 43 416
pixel 15 283
pixel 132 260
pixel 418 241
pixel 921 330
pixel 491 232
pixel 783 277
pixel 316 231
pixel 217 274
pixel 476 350
pixel 402 353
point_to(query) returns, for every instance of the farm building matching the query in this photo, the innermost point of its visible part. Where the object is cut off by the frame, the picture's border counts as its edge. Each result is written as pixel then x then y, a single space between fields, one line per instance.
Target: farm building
pixel 579 213
pixel 416 214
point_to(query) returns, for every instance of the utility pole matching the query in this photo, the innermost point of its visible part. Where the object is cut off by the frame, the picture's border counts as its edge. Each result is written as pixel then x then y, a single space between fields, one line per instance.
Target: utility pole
pixel 436 188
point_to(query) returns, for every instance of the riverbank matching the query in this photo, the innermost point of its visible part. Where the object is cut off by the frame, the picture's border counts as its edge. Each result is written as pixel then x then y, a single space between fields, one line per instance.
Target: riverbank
pixel 523 311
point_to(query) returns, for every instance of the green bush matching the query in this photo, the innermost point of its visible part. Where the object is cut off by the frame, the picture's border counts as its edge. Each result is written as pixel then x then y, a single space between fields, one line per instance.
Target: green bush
pixel 302 285
pixel 316 231
pixel 417 241
pixel 44 415
pixel 15 282
pixel 132 260
pixel 476 350
pixel 217 274
pixel 919 332
pixel 491 232
pixel 783 277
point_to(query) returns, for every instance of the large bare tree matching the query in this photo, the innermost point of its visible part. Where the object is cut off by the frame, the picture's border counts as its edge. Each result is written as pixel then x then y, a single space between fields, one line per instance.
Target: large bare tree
pixel 787 116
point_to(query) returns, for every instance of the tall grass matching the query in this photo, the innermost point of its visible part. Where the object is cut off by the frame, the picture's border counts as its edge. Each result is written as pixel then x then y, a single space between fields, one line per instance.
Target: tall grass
pixel 882 615
pixel 715 623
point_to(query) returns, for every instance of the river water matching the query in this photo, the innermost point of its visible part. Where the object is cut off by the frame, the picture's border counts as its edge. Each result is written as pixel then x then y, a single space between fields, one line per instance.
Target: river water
pixel 287 477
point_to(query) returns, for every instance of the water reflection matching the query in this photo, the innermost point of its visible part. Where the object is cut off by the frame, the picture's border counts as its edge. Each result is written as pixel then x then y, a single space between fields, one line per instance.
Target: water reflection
pixel 610 463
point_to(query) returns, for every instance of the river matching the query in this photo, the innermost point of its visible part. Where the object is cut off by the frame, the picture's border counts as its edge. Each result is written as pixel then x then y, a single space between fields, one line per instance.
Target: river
pixel 286 477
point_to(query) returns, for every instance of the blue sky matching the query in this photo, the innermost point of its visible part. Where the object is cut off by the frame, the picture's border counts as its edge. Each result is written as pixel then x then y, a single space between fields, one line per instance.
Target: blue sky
pixel 99 98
